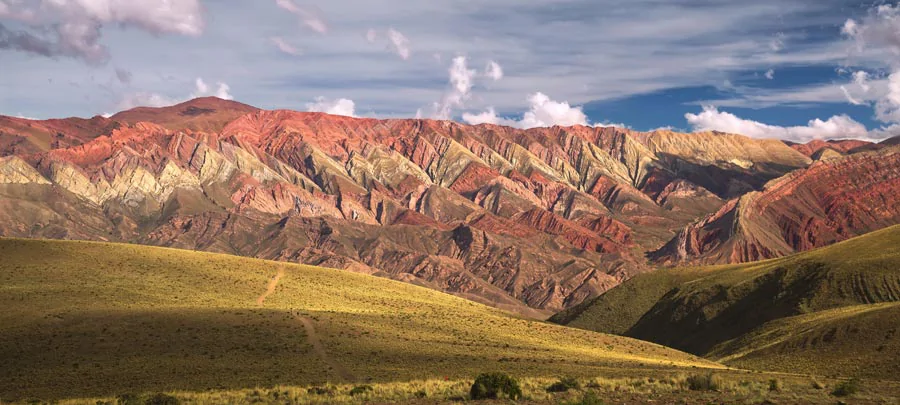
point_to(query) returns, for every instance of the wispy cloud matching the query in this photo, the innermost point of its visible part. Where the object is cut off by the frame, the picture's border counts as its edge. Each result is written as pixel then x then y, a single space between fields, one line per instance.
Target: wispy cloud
pixel 310 16
pixel 284 46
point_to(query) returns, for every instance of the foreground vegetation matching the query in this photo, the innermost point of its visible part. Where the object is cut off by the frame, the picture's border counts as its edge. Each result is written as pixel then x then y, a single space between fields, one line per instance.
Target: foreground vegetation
pixel 665 387
pixel 832 311
pixel 83 319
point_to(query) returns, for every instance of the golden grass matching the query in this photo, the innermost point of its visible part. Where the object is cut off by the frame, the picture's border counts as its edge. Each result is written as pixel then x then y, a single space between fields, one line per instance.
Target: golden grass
pixel 664 387
pixel 85 319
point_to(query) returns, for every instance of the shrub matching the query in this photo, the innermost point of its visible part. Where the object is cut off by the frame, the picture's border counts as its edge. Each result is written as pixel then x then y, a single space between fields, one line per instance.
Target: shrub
pixel 706 382
pixel 128 399
pixel 847 388
pixel 161 399
pixel 360 390
pixel 564 384
pixel 774 385
pixel 589 398
pixel 494 386
pixel 321 391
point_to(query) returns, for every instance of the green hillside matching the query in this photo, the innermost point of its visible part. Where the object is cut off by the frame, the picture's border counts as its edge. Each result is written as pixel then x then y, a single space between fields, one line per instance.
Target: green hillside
pixel 801 309
pixel 84 319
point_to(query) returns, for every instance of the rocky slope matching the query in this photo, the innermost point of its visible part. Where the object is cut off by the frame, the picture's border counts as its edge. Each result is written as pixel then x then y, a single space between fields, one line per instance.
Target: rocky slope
pixel 530 220
pixel 832 200
pixel 842 146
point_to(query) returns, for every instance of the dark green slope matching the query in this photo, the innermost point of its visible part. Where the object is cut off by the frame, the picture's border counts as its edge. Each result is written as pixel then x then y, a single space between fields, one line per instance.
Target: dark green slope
pixel 724 312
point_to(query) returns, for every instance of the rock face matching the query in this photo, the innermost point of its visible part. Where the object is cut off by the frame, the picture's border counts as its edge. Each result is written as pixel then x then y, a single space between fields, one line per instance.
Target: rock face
pixel 842 146
pixel 832 200
pixel 530 220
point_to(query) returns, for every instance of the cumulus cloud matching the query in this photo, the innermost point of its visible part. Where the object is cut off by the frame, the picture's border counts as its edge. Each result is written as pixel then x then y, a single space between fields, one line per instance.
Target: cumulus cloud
pixel 311 17
pixel 836 127
pixel 493 70
pixel 284 46
pixel 461 80
pixel 880 29
pixel 72 28
pixel 543 112
pixel 149 99
pixel 341 106
pixel 770 74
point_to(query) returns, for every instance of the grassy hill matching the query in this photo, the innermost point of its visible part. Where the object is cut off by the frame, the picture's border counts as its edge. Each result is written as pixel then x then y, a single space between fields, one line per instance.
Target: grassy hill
pixel 85 319
pixel 814 312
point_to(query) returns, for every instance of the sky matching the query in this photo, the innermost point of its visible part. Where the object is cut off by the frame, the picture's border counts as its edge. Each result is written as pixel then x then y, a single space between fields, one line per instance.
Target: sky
pixel 789 69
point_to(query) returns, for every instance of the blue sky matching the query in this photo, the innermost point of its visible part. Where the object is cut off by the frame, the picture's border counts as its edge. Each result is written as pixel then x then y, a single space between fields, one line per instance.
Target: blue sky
pixel 766 68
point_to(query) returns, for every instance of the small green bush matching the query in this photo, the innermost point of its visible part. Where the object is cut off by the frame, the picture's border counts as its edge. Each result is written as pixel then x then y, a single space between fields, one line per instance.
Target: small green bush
pixel 703 382
pixel 495 386
pixel 360 390
pixel 774 384
pixel 847 388
pixel 589 398
pixel 161 399
pixel 564 384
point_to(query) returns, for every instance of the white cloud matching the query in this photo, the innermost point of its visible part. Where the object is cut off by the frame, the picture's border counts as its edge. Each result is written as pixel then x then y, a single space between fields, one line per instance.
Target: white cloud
pixel 200 88
pixel 461 80
pixel 150 99
pixel 224 92
pixel 311 17
pixel 543 112
pixel 850 98
pixel 371 35
pixel 836 127
pixel 861 78
pixel 493 70
pixel 887 109
pixel 341 106
pixel 399 43
pixel 144 99
pixel 284 46
pixel 770 74
pixel 489 116
pixel 880 29
pixel 72 28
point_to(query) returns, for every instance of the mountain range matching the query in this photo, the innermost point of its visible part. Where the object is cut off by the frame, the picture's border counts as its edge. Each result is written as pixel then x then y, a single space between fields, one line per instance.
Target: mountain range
pixel 533 221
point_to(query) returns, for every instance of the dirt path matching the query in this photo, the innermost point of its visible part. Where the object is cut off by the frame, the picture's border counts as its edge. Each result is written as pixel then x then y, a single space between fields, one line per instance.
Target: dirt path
pixel 320 349
pixel 270 288
pixel 311 333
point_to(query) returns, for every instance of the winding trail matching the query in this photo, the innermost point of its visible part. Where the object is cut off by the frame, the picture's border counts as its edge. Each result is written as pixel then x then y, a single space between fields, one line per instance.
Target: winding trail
pixel 310 329
pixel 320 349
pixel 270 288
